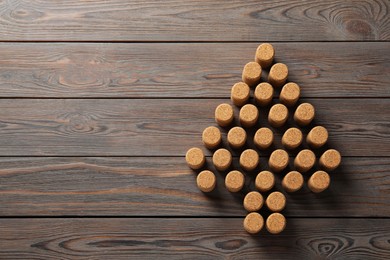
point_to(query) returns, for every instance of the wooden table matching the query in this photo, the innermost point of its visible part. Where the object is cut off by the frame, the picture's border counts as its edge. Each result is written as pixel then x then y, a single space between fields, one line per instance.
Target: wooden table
pixel 101 99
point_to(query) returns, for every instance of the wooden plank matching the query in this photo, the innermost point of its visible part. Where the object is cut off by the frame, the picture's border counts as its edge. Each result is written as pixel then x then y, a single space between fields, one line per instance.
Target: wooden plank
pixel 186 70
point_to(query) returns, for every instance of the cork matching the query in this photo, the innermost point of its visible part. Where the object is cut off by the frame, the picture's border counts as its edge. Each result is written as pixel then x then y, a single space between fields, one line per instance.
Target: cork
pixel 278 160
pixel 251 73
pixel 293 181
pixel 304 114
pixel 330 160
pixel 253 223
pixel 275 223
pixel 292 138
pixel 278 115
pixel 253 201
pixel 211 137
pixel 236 137
pixel 317 137
pixel 278 74
pixel 222 159
pixel 290 94
pixel 265 181
pixel 319 181
pixel 249 159
pixel 240 94
pixel 206 181
pixel 304 160
pixel 249 115
pixel 265 55
pixel 224 114
pixel 276 201
pixel 263 138
pixel 234 181
pixel 195 158
pixel 264 93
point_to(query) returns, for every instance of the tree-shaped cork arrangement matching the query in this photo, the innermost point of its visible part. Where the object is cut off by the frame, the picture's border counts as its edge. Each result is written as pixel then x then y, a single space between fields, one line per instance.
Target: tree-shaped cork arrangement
pixel 250 129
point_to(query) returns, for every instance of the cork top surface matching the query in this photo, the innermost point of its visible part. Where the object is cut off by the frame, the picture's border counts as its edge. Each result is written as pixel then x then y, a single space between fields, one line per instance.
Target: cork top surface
pixel 252 70
pixel 275 223
pixel 263 137
pixel 278 113
pixel 305 160
pixel 278 159
pixel 264 91
pixel 317 136
pixel 265 52
pixel 234 181
pixel 265 181
pixel 253 223
pixel 276 201
pixel 211 136
pixel 290 92
pixel 292 138
pixel 222 159
pixel 237 136
pixel 224 112
pixel 319 181
pixel 253 201
pixel 249 113
pixel 249 159
pixel 206 181
pixel 330 159
pixel 195 158
pixel 279 71
pixel 293 181
pixel 240 93
pixel 305 112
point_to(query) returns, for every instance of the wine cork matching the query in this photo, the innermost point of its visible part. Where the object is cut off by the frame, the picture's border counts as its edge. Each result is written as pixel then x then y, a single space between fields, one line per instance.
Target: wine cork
pixel 234 181
pixel 253 201
pixel 304 114
pixel 249 159
pixel 292 138
pixel 319 181
pixel 265 181
pixel 251 73
pixel 195 158
pixel 264 93
pixel 290 94
pixel 293 181
pixel 211 137
pixel 263 138
pixel 275 223
pixel 304 160
pixel 222 159
pixel 265 55
pixel 224 114
pixel 253 223
pixel 206 181
pixel 249 115
pixel 278 74
pixel 278 115
pixel 278 160
pixel 240 94
pixel 236 137
pixel 317 137
pixel 330 160
pixel 276 201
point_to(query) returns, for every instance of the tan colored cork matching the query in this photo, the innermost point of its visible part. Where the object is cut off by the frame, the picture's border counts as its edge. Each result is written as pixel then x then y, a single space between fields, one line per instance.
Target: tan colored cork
pixel 253 201
pixel 253 223
pixel 224 114
pixel 206 181
pixel 304 114
pixel 276 201
pixel 265 55
pixel 275 223
pixel 211 137
pixel 195 158
pixel 263 138
pixel 249 159
pixel 278 115
pixel 222 159
pixel 293 181
pixel 304 160
pixel 278 160
pixel 330 160
pixel 251 73
pixel 317 137
pixel 290 94
pixel 249 114
pixel 278 75
pixel 265 181
pixel 240 94
pixel 319 181
pixel 234 181
pixel 264 93
pixel 292 138
pixel 236 137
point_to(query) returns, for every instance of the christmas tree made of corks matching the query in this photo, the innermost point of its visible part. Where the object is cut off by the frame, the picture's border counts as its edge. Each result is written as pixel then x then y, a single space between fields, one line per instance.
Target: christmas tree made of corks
pixel 292 140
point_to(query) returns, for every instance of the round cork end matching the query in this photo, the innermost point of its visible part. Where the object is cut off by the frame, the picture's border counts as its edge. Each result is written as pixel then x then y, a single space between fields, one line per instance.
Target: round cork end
pixel 290 94
pixel 251 73
pixel 278 74
pixel 330 160
pixel 293 181
pixel 240 94
pixel 253 223
pixel 276 201
pixel 206 181
pixel 304 114
pixel 265 181
pixel 249 159
pixel 236 137
pixel 249 115
pixel 222 159
pixel 224 114
pixel 234 181
pixel 275 223
pixel 195 158
pixel 292 138
pixel 253 201
pixel 211 137
pixel 304 160
pixel 264 93
pixel 319 181
pixel 278 160
pixel 317 137
pixel 265 55
pixel 278 115
pixel 263 138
